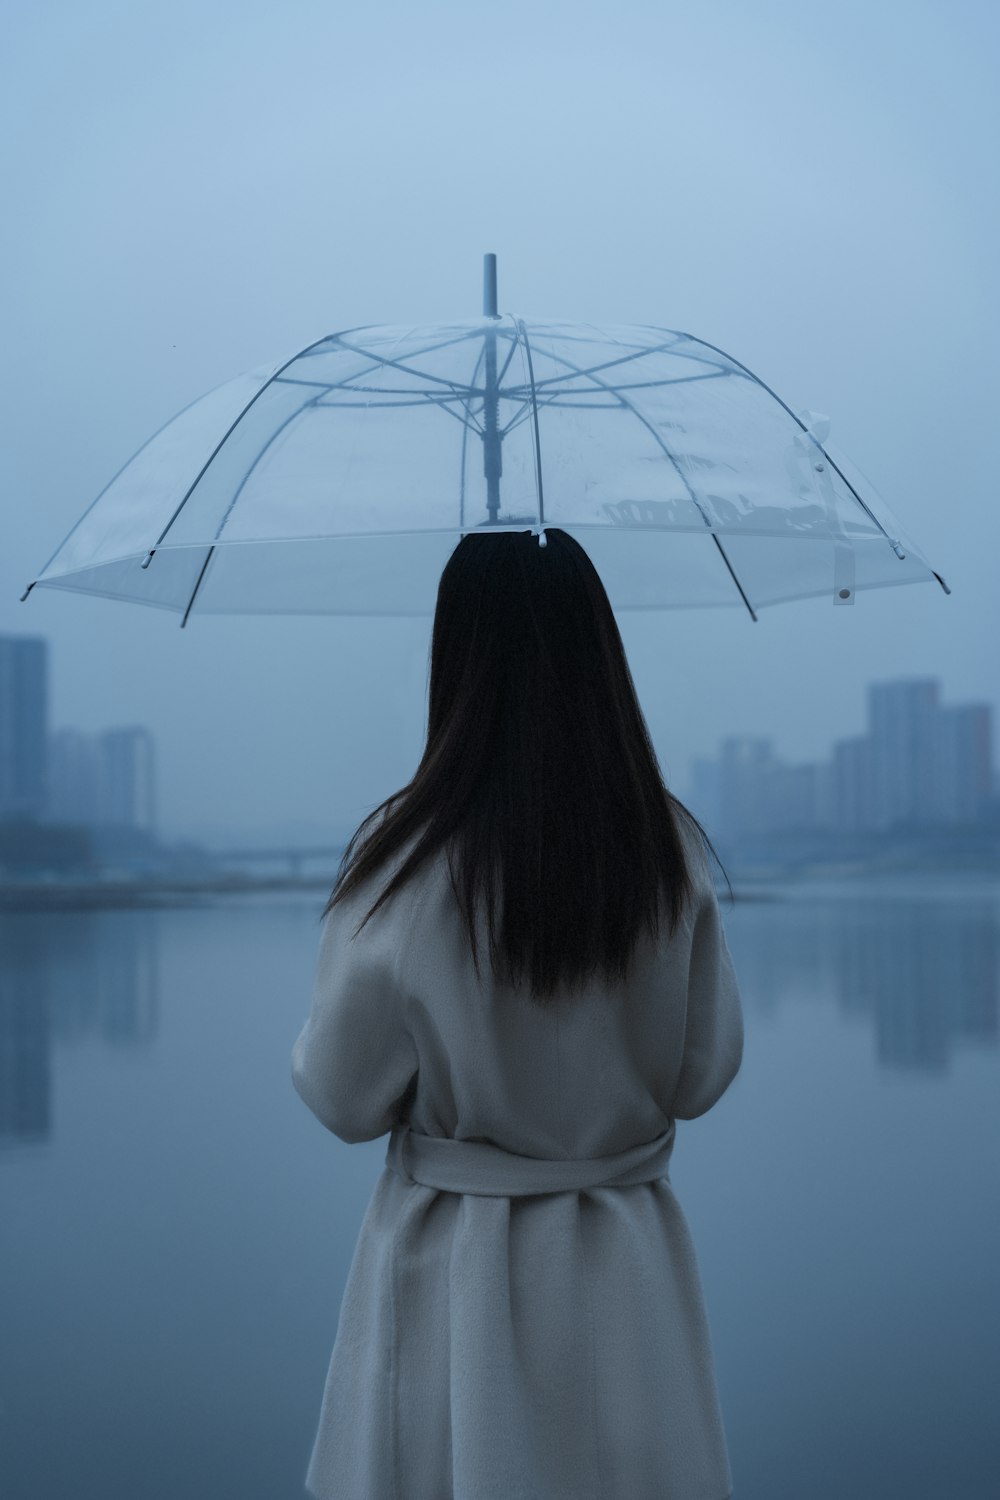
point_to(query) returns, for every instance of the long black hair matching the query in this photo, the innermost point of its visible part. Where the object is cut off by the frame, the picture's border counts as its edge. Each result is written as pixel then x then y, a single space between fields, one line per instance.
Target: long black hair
pixel 539 774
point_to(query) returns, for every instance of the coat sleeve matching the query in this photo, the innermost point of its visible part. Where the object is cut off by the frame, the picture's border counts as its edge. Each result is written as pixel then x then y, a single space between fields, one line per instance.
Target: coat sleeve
pixel 713 1034
pixel 354 1058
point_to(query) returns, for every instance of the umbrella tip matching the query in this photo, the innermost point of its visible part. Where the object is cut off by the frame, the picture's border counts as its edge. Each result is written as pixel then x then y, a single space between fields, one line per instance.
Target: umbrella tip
pixel 26 592
pixel 490 286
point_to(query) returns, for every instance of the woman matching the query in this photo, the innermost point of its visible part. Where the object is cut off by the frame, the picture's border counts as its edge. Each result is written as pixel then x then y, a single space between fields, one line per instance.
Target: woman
pixel 523 977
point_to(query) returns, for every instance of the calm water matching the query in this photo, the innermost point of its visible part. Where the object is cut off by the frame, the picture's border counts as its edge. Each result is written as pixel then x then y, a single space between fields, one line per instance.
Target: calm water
pixel 176 1227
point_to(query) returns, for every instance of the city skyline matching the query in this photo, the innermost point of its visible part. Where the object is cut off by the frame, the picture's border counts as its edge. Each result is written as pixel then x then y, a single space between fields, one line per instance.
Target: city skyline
pixel 920 758
pixel 64 774
pixel 920 762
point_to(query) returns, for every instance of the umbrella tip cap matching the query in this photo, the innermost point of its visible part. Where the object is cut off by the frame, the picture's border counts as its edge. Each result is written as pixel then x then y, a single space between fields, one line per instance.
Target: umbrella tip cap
pixel 489 286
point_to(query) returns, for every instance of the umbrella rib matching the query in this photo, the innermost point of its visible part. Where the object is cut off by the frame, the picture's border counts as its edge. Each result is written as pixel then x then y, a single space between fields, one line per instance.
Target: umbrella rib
pixel 232 426
pixel 327 338
pixel 774 395
pixel 558 398
pixel 239 490
pixel 467 421
pixel 560 404
pixel 314 402
pixel 629 358
pixel 197 586
pixel 506 363
pixel 465 435
pixel 379 327
pixel 680 474
pixel 327 388
pixel 534 408
pixel 291 417
pixel 518 393
pixel 408 369
pixel 467 398
pixel 521 415
pixel 612 390
pixel 419 398
pixel 511 392
pixel 79 522
pixel 645 385
pixel 378 361
pixel 459 393
pixel 455 393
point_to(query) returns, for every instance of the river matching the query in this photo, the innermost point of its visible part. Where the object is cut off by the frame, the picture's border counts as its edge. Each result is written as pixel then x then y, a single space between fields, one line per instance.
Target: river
pixel 176 1227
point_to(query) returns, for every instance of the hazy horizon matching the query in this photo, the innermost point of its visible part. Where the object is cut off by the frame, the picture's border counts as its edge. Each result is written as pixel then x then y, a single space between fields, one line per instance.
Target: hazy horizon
pixel 310 832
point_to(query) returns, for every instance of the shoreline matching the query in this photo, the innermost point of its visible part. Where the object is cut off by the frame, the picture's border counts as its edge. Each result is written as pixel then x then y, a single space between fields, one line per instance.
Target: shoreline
pixel 75 895
pixel 772 883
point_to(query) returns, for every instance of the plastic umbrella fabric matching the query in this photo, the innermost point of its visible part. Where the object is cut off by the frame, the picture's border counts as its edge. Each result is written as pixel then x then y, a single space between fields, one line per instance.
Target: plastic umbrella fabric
pixel 339 480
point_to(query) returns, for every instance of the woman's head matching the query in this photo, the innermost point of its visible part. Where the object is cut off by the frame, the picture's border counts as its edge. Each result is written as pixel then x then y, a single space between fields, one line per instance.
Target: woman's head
pixel 525 650
pixel 538 772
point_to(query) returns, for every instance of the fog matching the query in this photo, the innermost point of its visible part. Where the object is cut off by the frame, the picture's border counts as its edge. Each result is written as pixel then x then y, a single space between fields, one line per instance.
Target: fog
pixel 193 190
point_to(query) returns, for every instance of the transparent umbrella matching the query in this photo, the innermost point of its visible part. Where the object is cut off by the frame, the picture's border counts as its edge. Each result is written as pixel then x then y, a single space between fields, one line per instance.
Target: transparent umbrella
pixel 339 480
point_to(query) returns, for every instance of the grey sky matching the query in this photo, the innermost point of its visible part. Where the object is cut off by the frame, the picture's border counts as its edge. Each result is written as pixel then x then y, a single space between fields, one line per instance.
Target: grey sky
pixel 192 190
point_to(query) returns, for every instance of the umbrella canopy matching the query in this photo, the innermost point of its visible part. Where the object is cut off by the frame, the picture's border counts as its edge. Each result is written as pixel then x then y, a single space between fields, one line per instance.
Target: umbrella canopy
pixel 339 480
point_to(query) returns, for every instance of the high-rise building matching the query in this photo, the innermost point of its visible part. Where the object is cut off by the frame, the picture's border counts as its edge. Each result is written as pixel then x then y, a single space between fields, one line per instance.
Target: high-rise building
pixel 963 772
pixel 746 765
pixel 853 789
pixel 74 777
pixel 127 778
pixel 824 794
pixel 902 723
pixel 797 796
pixel 24 708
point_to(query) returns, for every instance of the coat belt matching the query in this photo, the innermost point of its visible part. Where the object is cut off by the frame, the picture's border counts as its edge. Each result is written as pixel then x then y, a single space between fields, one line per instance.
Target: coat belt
pixel 489 1171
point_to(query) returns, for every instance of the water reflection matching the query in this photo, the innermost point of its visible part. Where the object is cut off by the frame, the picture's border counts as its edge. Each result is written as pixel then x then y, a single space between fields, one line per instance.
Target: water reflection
pixel 176 1233
pixel 64 979
pixel 924 980
pixel 922 975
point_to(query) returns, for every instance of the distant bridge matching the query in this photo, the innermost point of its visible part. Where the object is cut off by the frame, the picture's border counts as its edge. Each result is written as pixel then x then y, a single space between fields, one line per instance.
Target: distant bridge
pixel 295 858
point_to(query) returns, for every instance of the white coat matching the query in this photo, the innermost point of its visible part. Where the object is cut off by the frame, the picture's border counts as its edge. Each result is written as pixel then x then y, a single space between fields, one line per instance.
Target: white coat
pixel 530 1344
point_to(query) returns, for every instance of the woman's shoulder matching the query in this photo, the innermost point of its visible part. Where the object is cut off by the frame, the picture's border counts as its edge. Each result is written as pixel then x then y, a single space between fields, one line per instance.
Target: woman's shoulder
pixel 695 848
pixel 398 905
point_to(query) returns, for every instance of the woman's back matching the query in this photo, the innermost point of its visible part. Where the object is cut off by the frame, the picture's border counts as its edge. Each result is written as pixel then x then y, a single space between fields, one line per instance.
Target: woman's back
pixel 502 1344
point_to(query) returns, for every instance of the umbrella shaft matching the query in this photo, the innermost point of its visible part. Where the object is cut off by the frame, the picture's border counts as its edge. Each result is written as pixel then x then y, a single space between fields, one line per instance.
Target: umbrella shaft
pixel 492 461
